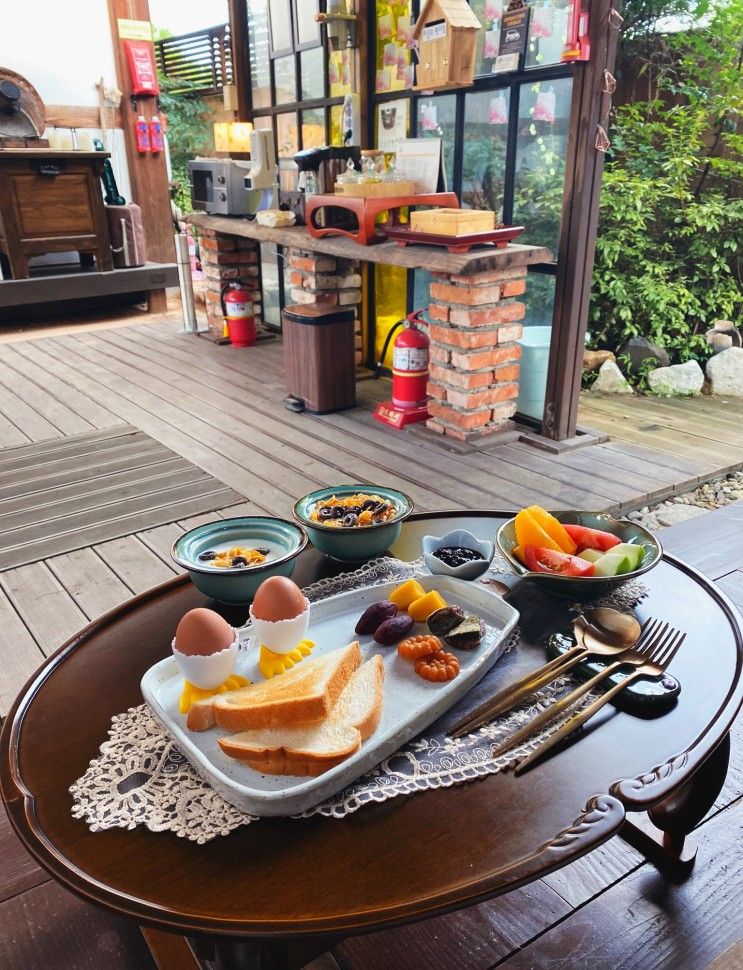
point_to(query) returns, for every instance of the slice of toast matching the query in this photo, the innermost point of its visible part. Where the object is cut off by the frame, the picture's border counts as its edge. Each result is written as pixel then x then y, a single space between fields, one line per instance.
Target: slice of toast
pixel 316 748
pixel 303 695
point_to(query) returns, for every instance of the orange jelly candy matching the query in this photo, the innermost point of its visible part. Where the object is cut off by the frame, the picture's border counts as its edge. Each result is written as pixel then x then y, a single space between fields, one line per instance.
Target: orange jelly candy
pixel 420 646
pixel 437 666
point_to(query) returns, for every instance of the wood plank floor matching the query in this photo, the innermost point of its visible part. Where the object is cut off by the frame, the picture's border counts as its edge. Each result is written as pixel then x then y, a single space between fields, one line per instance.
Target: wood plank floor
pixel 220 410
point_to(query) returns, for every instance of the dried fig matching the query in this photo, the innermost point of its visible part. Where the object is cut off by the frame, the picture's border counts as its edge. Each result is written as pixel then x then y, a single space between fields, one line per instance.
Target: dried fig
pixel 374 615
pixel 393 629
pixel 445 619
pixel 467 635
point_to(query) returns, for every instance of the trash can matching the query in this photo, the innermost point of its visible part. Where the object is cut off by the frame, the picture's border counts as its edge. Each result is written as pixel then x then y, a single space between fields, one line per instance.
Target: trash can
pixel 535 352
pixel 319 359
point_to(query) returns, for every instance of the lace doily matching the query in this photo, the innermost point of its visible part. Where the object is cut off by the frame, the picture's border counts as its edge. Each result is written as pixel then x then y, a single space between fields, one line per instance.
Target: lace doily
pixel 142 778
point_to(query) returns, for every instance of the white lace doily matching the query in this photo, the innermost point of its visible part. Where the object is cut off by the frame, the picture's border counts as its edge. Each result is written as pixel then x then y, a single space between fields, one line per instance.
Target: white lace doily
pixel 142 778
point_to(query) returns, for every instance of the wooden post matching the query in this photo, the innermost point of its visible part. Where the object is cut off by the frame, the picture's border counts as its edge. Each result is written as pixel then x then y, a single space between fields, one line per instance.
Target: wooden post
pixel 238 13
pixel 147 172
pixel 589 109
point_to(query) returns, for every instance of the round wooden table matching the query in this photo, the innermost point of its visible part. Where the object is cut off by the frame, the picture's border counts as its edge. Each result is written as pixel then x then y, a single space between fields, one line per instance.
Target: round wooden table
pixel 390 863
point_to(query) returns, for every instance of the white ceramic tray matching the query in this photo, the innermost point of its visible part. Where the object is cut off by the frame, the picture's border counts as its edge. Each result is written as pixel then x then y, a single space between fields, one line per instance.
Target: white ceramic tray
pixel 410 703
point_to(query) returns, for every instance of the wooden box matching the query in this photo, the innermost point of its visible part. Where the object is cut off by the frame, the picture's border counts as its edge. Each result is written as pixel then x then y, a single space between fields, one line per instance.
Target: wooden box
pixel 374 190
pixel 452 222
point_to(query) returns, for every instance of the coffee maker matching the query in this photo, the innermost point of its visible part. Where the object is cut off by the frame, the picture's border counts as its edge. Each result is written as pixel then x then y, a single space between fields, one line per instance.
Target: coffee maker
pixel 318 171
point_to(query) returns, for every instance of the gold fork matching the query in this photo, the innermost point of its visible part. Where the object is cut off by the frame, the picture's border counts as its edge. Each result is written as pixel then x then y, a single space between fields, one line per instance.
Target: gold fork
pixel 657 646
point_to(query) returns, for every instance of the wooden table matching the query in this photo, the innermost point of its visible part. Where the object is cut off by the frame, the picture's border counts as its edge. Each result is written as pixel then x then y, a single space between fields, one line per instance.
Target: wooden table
pixel 52 202
pixel 282 881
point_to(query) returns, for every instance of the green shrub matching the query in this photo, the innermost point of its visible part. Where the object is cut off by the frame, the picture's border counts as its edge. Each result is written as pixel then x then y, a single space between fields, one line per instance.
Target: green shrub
pixel 668 253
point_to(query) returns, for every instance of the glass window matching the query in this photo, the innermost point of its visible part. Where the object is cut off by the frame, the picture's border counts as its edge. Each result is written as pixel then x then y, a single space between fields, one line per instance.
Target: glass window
pixel 395 70
pixel 535 344
pixel 308 29
pixel 270 284
pixel 287 136
pixel 544 110
pixel 285 79
pixel 336 119
pixel 260 76
pixel 489 14
pixel 548 30
pixel 313 128
pixel 313 73
pixel 281 25
pixel 436 118
pixel 484 150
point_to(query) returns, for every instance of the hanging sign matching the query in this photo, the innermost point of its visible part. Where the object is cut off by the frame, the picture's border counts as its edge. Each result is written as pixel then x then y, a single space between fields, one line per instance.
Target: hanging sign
pixel 134 29
pixel 513 37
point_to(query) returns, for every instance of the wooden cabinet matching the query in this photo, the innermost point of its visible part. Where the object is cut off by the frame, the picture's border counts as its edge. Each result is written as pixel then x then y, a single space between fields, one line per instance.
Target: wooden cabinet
pixel 51 202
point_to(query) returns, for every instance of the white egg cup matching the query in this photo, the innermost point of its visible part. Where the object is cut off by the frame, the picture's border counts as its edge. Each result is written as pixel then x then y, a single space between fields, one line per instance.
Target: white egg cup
pixel 207 671
pixel 281 636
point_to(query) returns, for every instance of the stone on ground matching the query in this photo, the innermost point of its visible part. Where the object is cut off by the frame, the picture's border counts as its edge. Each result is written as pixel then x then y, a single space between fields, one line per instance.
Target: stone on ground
pixel 678 380
pixel 640 349
pixel 674 514
pixel 593 359
pixel 611 380
pixel 725 372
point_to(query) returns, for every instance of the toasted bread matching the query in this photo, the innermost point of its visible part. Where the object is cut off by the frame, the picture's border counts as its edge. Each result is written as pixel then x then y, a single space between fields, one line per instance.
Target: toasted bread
pixel 303 695
pixel 316 748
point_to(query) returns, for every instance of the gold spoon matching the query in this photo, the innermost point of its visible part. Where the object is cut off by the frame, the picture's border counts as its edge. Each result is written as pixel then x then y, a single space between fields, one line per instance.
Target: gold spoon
pixel 601 632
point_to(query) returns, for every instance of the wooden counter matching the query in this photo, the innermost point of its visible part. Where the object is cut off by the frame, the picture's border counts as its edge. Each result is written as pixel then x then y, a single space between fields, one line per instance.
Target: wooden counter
pixel 432 258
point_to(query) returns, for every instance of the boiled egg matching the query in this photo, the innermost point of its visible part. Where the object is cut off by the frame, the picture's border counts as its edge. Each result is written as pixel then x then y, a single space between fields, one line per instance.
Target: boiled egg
pixel 280 614
pixel 205 648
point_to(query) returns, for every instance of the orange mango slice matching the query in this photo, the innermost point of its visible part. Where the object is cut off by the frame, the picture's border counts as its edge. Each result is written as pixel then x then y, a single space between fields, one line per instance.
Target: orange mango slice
pixel 530 533
pixel 518 552
pixel 402 596
pixel 553 528
pixel 425 605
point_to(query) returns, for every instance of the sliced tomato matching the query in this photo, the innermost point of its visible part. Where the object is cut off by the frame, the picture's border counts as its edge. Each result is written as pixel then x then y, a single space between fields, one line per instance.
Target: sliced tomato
pixel 586 538
pixel 540 560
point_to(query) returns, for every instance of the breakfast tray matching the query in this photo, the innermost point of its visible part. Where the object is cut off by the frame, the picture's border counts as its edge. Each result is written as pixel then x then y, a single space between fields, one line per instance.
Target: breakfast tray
pixel 405 236
pixel 410 703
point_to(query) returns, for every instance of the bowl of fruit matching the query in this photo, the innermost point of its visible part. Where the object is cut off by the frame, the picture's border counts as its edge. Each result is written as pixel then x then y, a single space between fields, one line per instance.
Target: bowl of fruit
pixel 577 554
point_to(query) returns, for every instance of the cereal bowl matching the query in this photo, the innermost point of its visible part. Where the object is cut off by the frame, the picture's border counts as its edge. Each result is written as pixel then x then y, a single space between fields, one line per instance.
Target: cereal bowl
pixel 353 543
pixel 283 541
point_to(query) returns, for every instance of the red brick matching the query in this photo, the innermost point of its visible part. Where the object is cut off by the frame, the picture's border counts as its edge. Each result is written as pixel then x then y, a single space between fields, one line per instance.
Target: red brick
pixel 299 295
pixel 489 276
pixel 433 425
pixel 237 259
pixel 467 339
pixel 483 397
pixel 505 334
pixel 487 316
pixel 466 420
pixel 438 312
pixel 296 278
pixel 465 379
pixel 513 288
pixel 246 245
pixel 468 295
pixel 313 264
pixel 509 372
pixel 439 353
pixel 436 390
pixel 225 273
pixel 503 412
pixel 217 244
pixel 486 358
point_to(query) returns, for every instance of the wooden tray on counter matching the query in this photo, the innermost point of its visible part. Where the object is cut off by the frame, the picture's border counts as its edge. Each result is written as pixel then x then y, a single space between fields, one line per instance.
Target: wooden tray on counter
pixel 404 236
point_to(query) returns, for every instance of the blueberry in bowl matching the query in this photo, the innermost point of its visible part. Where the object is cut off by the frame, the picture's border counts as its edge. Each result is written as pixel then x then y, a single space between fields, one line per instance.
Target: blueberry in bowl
pixel 458 553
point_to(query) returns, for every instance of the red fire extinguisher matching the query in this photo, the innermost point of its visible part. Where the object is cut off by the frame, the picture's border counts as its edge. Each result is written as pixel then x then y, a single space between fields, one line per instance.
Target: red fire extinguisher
pixel 237 307
pixel 409 363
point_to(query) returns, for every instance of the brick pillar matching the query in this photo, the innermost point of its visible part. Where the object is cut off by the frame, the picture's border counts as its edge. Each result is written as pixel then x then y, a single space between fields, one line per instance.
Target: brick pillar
pixel 224 258
pixel 474 380
pixel 326 280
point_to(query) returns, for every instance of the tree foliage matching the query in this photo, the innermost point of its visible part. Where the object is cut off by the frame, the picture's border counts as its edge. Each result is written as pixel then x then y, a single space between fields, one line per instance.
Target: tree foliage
pixel 189 133
pixel 668 255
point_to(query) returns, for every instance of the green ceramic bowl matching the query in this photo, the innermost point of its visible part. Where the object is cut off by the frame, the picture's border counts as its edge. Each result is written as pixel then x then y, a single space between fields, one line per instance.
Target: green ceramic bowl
pixel 237 585
pixel 359 542
pixel 584 587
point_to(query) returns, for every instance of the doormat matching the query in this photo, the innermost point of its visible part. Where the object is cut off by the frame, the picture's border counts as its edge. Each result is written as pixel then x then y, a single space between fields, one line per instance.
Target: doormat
pixel 69 493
